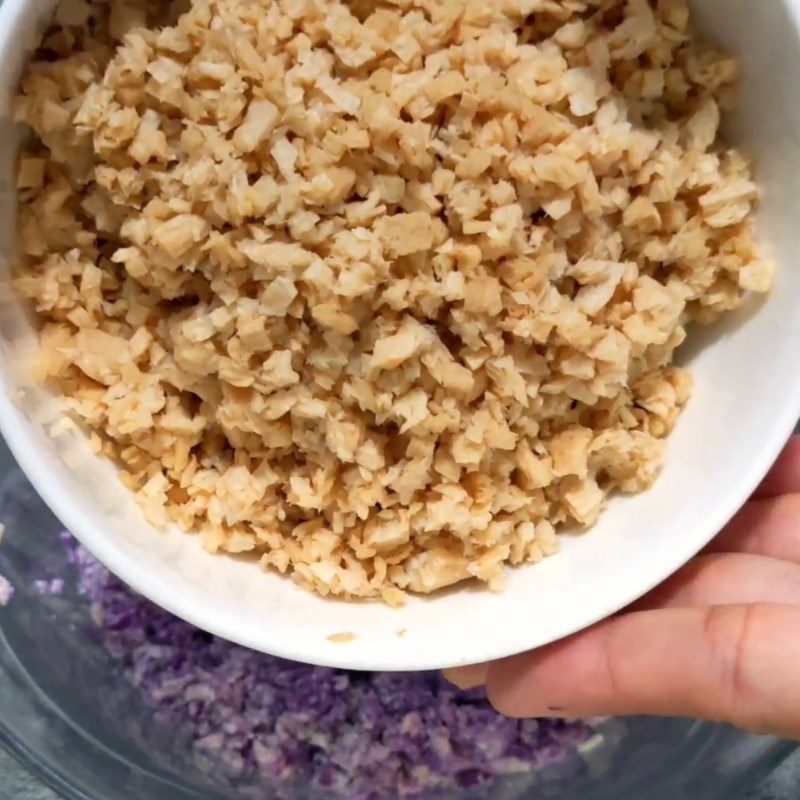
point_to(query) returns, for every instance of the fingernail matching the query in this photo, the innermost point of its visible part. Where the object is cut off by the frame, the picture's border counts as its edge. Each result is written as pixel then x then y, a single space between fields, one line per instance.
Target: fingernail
pixel 466 677
pixel 528 711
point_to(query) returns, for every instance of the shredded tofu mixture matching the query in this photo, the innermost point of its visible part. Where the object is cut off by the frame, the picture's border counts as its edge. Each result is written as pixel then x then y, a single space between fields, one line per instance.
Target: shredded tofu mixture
pixel 381 292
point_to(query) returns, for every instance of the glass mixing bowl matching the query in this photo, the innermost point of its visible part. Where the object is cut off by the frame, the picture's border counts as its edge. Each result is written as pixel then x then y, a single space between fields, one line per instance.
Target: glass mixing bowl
pixel 69 715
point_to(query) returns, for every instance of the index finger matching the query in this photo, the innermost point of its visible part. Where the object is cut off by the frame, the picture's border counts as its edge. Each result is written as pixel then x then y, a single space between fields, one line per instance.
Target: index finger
pixel 784 477
pixel 728 663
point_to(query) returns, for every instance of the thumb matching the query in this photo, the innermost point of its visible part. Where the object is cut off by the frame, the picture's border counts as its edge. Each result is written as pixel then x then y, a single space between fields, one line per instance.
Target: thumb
pixel 726 663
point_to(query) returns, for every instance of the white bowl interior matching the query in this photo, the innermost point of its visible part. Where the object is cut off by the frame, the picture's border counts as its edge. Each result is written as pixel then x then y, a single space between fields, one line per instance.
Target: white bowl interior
pixel 745 403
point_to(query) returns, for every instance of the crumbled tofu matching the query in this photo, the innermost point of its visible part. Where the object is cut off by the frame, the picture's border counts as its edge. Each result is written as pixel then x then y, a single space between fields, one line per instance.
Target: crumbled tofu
pixel 382 294
pixel 343 637
pixel 258 124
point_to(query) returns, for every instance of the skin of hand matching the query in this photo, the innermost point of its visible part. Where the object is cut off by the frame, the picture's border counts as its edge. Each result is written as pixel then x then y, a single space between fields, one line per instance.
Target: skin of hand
pixel 720 640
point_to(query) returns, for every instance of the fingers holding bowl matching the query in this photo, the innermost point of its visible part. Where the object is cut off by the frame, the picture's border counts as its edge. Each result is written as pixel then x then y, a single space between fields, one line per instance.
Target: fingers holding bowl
pixel 716 579
pixel 723 663
pixel 767 527
pixel 784 477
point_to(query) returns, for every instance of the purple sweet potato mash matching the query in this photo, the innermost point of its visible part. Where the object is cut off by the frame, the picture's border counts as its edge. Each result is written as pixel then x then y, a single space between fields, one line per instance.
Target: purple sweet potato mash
pixel 364 736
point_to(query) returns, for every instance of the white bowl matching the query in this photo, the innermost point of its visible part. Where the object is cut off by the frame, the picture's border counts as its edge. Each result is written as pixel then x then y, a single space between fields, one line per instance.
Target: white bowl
pixel 745 404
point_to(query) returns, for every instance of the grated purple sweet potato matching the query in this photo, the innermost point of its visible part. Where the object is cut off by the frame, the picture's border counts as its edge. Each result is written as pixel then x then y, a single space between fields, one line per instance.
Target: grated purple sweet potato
pixel 362 736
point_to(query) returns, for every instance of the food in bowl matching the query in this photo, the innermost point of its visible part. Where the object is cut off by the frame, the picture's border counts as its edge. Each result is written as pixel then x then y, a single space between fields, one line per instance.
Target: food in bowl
pixel 382 294
pixel 245 717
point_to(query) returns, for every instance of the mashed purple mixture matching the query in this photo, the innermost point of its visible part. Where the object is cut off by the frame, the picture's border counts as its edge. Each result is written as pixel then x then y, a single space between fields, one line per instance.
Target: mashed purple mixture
pixel 365 736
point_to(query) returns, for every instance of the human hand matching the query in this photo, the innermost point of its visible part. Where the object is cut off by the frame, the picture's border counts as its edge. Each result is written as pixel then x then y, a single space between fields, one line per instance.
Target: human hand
pixel 720 640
